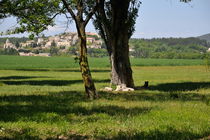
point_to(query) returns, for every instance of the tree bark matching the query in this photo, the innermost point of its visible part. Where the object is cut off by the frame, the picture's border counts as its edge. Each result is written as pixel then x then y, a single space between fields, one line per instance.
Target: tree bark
pixel 84 66
pixel 121 72
pixel 115 32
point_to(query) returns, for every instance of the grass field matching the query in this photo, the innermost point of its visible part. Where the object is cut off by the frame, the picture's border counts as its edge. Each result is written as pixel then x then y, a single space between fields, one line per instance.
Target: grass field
pixel 40 100
pixel 26 62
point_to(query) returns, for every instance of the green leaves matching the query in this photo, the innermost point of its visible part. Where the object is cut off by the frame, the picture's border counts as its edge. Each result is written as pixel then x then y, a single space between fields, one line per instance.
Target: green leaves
pixel 32 15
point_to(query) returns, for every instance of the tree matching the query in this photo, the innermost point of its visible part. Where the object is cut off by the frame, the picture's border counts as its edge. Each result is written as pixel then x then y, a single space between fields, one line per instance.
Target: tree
pixel 53 44
pixel 115 20
pixel 17 44
pixel 80 25
pixel 36 15
pixel 54 50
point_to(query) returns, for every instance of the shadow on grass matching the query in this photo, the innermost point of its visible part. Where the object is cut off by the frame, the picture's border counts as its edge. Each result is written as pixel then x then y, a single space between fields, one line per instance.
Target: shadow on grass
pixel 63 70
pixel 21 77
pixel 169 134
pixel 156 97
pixel 185 86
pixel 76 70
pixel 49 82
pixel 36 108
pixel 29 107
pixel 167 91
pixel 32 69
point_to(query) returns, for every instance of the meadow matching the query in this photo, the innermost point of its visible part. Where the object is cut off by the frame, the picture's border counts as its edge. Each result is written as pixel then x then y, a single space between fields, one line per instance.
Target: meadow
pixel 43 98
pixel 30 62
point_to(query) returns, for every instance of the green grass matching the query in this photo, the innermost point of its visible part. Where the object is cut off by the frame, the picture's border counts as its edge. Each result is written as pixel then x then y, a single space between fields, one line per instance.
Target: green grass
pixel 26 62
pixel 50 103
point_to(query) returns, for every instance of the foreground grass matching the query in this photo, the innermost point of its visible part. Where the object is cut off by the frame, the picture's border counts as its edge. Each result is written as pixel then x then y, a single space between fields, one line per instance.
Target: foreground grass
pixel 51 104
pixel 31 62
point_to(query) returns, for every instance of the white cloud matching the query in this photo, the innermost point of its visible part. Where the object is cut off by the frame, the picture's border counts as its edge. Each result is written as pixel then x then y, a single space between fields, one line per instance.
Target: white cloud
pixel 55 28
pixel 138 35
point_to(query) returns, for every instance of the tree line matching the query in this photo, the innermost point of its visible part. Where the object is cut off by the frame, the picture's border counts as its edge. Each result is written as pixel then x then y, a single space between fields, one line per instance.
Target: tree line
pixel 170 48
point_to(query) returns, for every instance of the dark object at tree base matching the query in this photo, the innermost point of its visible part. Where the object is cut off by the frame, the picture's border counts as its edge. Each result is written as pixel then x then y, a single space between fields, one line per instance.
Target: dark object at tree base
pixel 145 86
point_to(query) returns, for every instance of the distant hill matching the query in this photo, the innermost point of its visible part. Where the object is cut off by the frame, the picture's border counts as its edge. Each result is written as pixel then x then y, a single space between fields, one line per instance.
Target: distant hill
pixel 205 37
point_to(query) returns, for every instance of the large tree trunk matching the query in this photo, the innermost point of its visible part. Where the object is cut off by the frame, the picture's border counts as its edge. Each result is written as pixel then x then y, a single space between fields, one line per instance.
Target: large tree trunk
pixel 121 68
pixel 84 66
pixel 121 72
pixel 114 29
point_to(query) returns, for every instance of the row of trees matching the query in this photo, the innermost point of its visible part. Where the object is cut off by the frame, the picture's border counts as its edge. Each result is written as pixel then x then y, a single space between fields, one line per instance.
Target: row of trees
pixel 9 51
pixel 172 48
pixel 114 19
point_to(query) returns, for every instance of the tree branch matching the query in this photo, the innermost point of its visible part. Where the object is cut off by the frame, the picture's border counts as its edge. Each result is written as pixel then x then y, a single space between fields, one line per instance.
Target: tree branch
pixel 94 9
pixel 103 15
pixel 54 16
pixel 69 9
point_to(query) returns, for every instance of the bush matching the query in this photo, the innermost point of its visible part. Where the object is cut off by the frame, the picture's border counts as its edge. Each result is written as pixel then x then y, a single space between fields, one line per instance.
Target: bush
pixel 9 51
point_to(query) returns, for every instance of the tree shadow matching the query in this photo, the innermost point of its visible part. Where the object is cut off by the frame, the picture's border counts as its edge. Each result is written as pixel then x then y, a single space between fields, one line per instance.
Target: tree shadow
pixel 28 107
pixel 114 110
pixel 169 134
pixel 21 134
pixel 21 77
pixel 36 107
pixel 32 70
pixel 185 86
pixel 49 82
pixel 43 82
pixel 63 70
pixel 168 91
pixel 77 70
pixel 156 97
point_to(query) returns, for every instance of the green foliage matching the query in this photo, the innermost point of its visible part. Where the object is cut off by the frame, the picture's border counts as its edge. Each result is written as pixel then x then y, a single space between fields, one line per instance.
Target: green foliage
pixel 35 51
pixel 97 52
pixel 54 50
pixel 171 48
pixel 205 37
pixel 207 61
pixel 14 40
pixel 8 51
pixel 73 50
pixel 35 16
pixel 32 16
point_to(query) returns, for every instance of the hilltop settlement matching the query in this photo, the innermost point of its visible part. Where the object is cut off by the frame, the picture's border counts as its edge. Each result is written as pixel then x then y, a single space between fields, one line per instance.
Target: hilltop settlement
pixel 47 46
pixel 66 44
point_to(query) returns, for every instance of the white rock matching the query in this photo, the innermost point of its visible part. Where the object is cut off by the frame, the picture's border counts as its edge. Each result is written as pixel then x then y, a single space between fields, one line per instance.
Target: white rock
pixel 119 88
pixel 128 89
pixel 123 87
pixel 107 89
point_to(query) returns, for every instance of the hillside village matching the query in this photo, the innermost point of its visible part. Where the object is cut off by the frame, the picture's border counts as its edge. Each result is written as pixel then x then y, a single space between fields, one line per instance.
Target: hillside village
pixel 66 44
pixel 41 46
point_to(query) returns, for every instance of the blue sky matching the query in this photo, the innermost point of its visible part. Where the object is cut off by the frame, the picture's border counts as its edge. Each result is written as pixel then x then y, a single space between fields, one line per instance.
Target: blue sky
pixel 157 18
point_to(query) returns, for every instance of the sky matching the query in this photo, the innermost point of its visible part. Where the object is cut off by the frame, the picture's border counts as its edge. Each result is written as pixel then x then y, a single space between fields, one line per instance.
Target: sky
pixel 157 18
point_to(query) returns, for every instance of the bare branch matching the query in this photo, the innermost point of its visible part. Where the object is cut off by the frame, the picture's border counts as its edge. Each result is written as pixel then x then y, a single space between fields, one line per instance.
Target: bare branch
pixel 103 15
pixel 68 7
pixel 92 12
pixel 54 16
pixel 68 22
